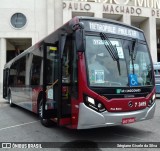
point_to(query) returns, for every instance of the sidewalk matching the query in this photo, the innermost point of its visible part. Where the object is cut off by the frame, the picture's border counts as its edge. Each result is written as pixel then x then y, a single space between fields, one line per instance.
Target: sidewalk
pixel 2 100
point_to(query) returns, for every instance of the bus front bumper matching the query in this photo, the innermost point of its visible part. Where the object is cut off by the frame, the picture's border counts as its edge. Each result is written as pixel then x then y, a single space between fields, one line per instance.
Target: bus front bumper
pixel 89 118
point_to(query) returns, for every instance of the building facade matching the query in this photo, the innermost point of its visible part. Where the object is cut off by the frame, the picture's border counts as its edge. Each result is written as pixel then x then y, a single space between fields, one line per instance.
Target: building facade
pixel 25 22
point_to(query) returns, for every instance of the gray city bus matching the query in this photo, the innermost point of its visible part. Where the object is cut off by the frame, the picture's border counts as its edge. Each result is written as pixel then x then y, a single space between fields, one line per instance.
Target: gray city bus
pixel 54 77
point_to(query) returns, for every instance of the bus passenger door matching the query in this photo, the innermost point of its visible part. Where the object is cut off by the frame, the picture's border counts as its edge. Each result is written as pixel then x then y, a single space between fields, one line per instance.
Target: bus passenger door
pixel 65 83
pixel 66 67
pixel 51 81
pixel 57 79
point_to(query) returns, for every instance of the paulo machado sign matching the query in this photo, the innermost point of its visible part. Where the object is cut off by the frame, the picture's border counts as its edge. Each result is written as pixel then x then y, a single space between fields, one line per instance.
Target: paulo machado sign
pixel 132 7
pixel 137 3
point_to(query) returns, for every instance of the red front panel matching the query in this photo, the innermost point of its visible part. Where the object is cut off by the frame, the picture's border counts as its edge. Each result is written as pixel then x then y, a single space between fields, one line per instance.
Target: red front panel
pixel 112 105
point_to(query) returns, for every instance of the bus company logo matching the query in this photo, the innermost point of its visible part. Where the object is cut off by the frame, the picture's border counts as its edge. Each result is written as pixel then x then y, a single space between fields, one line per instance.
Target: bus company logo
pixel 130 104
pixel 118 91
pixel 6 145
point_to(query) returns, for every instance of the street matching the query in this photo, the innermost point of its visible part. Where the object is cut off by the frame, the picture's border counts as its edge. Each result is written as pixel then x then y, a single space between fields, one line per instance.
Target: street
pixel 19 125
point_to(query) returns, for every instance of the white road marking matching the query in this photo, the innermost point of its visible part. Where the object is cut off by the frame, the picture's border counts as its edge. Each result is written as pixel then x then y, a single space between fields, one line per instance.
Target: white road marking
pixel 18 125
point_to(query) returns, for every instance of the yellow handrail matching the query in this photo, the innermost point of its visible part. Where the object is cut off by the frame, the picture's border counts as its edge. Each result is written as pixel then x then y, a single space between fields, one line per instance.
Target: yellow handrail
pixel 52 85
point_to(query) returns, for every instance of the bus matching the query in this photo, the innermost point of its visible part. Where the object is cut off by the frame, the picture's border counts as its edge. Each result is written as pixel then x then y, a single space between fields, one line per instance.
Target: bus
pixel 55 79
pixel 157 77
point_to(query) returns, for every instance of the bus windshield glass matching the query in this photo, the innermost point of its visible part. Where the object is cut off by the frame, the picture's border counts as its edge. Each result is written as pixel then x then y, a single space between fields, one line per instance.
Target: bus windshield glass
pixel 117 62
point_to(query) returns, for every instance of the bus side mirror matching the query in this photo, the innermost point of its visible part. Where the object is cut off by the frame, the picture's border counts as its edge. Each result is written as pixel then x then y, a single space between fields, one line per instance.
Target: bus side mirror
pixel 80 40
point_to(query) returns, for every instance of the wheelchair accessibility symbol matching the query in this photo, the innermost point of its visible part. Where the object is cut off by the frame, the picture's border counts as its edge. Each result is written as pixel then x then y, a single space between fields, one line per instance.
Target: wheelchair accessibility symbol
pixel 133 80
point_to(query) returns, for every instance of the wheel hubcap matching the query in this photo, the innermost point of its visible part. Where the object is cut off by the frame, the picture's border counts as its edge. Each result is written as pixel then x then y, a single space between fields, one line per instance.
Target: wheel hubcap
pixel 40 111
pixel 10 101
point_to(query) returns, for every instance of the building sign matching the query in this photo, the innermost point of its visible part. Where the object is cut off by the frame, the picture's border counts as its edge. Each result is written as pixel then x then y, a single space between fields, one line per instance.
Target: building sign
pixel 131 7
pixel 114 9
pixel 137 3
pixel 77 6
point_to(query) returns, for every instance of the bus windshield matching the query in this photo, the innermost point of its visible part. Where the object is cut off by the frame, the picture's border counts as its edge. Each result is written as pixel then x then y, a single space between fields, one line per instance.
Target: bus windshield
pixel 104 70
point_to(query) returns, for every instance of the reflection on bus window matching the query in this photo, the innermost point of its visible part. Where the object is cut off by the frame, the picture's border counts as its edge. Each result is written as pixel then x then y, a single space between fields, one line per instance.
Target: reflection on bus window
pixel 52 61
pixel 66 66
pixel 139 65
pixel 36 70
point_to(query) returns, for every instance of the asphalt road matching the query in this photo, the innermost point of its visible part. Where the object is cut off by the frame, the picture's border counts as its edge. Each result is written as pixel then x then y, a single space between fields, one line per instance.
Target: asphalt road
pixel 18 125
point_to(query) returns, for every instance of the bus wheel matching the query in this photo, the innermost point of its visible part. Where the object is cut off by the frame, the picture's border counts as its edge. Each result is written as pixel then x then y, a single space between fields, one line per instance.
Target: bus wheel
pixel 10 99
pixel 45 122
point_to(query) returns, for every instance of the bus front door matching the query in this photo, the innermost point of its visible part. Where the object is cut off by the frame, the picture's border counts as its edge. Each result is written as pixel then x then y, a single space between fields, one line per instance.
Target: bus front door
pixel 51 79
pixel 56 86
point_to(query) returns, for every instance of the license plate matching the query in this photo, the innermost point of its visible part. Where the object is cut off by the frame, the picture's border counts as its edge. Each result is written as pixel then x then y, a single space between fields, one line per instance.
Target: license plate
pixel 128 120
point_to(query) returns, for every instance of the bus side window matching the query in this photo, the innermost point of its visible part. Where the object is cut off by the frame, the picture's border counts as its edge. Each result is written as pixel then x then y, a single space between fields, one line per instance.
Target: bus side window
pixel 35 70
pixel 13 74
pixel 35 76
pixel 20 76
pixel 50 72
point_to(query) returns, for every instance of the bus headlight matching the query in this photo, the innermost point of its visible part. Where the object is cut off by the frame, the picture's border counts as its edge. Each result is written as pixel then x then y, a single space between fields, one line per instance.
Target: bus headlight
pixel 152 100
pixel 94 104
pixel 91 100
pixel 154 97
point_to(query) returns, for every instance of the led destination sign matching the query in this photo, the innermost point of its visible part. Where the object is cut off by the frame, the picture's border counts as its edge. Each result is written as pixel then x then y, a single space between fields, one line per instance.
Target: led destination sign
pixel 113 29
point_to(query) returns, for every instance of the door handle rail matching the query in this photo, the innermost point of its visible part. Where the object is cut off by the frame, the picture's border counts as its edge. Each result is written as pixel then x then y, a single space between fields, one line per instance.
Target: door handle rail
pixel 51 86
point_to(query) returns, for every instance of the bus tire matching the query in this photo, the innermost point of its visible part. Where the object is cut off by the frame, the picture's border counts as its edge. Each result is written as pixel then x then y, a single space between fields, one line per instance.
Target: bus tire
pixel 10 99
pixel 45 122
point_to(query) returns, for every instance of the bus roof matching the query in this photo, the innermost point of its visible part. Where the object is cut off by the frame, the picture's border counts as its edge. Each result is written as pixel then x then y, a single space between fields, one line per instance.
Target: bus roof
pixel 68 27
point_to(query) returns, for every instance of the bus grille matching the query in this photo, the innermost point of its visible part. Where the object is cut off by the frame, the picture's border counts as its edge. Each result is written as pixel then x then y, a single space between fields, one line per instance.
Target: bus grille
pixel 111 96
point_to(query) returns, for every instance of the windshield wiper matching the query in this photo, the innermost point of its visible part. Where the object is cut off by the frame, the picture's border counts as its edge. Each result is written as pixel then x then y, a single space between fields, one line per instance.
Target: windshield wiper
pixel 134 49
pixel 111 49
pixel 133 52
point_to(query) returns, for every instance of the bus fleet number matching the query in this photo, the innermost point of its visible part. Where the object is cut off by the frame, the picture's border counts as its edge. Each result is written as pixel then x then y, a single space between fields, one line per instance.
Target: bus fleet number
pixel 140 104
